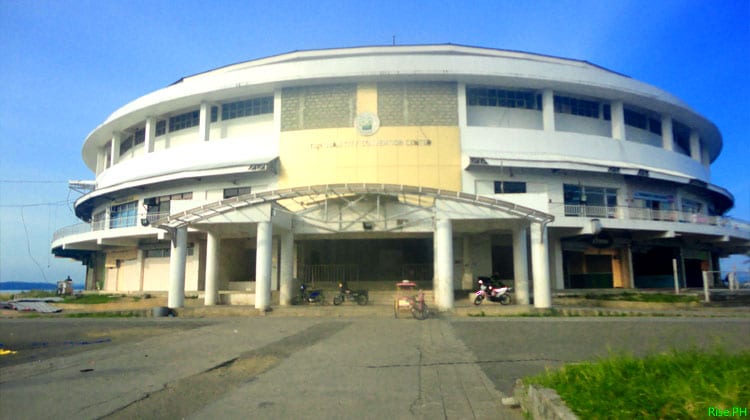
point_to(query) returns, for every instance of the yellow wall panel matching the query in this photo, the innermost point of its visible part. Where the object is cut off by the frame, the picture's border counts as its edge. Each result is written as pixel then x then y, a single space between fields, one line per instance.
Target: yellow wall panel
pixel 367 98
pixel 423 156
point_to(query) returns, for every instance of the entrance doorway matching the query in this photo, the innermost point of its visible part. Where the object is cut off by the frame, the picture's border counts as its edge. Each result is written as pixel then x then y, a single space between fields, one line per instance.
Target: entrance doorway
pixel 369 260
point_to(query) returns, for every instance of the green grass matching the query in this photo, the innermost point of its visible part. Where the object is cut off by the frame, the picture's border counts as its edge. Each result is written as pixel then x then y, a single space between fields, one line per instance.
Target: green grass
pixel 678 384
pixel 644 297
pixel 116 314
pixel 83 299
pixel 91 299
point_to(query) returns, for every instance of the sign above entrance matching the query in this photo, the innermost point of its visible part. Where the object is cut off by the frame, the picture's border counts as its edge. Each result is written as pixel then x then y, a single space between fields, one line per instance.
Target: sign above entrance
pixel 367 123
pixel 602 240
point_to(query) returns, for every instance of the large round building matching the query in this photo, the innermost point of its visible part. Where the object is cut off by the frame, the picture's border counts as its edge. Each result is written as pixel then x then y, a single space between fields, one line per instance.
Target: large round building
pixel 433 163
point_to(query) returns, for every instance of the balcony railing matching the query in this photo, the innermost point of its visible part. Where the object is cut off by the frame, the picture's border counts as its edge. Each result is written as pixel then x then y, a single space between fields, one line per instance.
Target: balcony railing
pixel 604 212
pixel 639 213
pixel 103 224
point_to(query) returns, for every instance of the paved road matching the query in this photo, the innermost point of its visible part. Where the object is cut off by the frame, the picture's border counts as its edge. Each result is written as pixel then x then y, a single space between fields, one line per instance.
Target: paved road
pixel 509 348
pixel 279 367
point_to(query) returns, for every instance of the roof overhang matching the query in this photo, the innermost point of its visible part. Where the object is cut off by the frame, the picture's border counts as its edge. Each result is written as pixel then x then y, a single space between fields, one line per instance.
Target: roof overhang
pixel 299 198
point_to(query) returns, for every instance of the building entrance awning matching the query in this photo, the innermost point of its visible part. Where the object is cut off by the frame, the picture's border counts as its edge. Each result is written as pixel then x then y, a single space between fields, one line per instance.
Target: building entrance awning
pixel 298 199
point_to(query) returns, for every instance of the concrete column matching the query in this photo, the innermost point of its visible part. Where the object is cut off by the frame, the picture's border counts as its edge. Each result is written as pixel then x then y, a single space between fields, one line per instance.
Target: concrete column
pixel 467 275
pixel 548 109
pixel 444 239
pixel 618 120
pixel 177 257
pixel 101 160
pixel 150 134
pixel 140 257
pixel 213 251
pixel 705 158
pixel 115 151
pixel 556 257
pixel 667 133
pixel 277 110
pixel 520 265
pixel 540 266
pixel 695 145
pixel 287 268
pixel 263 254
pixel 628 251
pixel 435 285
pixel 462 117
pixel 204 124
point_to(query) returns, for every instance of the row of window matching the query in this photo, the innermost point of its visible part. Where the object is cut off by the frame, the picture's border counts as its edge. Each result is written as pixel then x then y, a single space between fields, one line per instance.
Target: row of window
pixel 581 107
pixel 138 137
pixel 229 111
pixel 126 214
pixel 487 96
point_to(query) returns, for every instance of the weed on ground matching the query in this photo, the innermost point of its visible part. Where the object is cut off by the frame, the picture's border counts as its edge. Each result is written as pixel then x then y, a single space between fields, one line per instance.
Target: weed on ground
pixel 679 384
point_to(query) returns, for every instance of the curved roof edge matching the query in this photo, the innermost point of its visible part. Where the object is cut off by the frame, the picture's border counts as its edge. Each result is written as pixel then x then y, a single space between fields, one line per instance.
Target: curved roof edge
pixel 307 54
pixel 249 74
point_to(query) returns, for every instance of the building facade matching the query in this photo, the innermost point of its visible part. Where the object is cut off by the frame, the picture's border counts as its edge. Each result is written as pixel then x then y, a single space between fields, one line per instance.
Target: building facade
pixel 435 163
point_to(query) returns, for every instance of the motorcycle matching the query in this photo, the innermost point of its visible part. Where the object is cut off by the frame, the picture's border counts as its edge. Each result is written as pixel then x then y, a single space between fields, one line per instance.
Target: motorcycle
pixel 308 296
pixel 359 296
pixel 494 293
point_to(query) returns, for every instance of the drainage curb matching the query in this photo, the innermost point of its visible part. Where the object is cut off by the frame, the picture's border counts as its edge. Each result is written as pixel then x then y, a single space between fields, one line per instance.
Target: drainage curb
pixel 541 403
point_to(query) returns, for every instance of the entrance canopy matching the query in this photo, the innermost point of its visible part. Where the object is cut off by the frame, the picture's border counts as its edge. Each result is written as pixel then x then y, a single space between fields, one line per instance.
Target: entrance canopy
pixel 298 199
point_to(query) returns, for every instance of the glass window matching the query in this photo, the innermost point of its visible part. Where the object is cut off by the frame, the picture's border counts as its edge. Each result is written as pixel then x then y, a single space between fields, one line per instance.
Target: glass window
pixel 183 121
pixel 126 145
pixel 161 128
pixel 589 196
pixel 247 108
pixel 140 136
pixel 510 187
pixel 575 106
pixel 123 215
pixel 636 119
pixel 654 126
pixel 214 113
pixel 234 192
pixel 484 96
pixel 691 206
pixel 161 205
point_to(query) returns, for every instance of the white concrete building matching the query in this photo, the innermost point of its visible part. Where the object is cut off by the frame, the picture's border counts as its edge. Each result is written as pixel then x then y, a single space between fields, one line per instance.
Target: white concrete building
pixel 434 163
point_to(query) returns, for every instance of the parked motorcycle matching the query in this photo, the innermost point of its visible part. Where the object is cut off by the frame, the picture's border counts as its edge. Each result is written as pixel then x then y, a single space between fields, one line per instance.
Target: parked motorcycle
pixel 308 296
pixel 345 293
pixel 492 292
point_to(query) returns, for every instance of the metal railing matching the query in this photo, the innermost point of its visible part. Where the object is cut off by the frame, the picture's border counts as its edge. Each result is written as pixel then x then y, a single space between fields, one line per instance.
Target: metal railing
pixel 104 224
pixel 329 273
pixel 638 213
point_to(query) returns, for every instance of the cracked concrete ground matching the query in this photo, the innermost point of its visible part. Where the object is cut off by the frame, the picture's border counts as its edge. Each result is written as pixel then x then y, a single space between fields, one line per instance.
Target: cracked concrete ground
pixel 253 367
pixel 298 367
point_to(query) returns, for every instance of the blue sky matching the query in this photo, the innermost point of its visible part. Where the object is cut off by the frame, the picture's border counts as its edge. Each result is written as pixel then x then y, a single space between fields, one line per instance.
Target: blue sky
pixel 67 65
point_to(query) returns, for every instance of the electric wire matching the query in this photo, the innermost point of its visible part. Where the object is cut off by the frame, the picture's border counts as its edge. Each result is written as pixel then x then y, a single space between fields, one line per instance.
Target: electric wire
pixel 28 247
pixel 27 181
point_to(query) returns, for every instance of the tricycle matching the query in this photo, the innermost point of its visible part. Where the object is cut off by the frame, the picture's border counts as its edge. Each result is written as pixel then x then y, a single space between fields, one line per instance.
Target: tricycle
pixel 409 298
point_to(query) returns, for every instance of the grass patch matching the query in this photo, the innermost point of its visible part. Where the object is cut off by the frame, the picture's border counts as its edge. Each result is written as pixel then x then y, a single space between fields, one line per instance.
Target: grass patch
pixel 91 299
pixel 644 297
pixel 678 384
pixel 118 314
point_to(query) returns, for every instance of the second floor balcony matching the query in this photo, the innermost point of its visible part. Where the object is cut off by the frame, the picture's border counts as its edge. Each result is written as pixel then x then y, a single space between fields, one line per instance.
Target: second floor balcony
pixel 648 214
